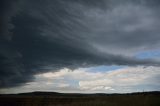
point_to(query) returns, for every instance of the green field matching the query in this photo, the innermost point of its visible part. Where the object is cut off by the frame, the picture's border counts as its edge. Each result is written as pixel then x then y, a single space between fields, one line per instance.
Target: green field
pixel 42 99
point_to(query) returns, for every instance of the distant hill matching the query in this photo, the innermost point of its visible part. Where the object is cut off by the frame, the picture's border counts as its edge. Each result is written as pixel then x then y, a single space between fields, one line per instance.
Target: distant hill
pixel 45 93
pixel 40 98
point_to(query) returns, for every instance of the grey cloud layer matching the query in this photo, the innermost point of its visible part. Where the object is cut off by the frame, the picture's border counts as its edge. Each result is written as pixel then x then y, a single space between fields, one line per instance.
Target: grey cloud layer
pixel 54 34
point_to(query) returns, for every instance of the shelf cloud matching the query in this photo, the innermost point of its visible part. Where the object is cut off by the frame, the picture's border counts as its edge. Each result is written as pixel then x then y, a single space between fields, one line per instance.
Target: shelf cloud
pixel 39 36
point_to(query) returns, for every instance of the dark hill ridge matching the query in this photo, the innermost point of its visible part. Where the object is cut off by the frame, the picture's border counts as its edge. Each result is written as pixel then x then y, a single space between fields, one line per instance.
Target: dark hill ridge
pixel 40 98
pixel 43 93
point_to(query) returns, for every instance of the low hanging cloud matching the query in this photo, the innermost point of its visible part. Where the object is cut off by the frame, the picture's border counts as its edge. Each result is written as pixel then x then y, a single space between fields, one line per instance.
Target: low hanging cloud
pixel 84 80
pixel 39 36
pixel 130 79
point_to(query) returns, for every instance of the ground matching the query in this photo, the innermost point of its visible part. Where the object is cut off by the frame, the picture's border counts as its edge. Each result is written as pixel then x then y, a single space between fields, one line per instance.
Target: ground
pixel 58 99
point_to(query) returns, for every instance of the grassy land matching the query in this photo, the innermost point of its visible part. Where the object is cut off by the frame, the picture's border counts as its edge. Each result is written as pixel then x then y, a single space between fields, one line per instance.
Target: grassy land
pixel 55 99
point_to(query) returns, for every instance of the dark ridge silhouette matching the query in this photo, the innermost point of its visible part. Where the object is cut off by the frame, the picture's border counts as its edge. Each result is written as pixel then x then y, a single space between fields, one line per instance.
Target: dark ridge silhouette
pixel 40 98
pixel 43 93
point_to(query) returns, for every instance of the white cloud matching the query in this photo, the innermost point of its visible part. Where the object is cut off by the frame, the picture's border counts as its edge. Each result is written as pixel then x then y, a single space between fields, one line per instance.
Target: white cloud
pixel 78 74
pixel 54 75
pixel 125 78
pixel 63 85
pixel 94 84
pixel 128 79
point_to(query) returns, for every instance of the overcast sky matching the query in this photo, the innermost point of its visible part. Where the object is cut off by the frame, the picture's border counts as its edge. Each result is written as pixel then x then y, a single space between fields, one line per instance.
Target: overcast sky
pixel 84 46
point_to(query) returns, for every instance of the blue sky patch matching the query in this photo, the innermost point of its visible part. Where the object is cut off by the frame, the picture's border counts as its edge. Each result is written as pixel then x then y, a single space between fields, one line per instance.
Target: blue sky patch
pixel 148 54
pixel 104 68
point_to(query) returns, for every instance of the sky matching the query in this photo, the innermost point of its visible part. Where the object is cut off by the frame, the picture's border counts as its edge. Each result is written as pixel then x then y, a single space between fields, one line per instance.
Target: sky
pixel 79 46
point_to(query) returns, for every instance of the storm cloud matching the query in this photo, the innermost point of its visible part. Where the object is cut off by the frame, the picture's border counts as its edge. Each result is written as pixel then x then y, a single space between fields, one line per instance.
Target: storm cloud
pixel 39 36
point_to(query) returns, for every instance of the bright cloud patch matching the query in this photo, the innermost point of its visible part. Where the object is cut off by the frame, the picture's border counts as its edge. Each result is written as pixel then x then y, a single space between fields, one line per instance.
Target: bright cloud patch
pixel 128 79
pixel 134 78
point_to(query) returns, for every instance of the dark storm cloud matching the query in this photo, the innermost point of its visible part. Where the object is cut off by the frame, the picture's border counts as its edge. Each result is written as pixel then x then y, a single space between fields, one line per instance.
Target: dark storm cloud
pixel 53 34
pixel 8 9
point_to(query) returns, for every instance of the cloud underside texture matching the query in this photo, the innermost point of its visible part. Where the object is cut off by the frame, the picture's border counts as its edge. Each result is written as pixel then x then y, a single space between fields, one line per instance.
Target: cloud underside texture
pixel 39 36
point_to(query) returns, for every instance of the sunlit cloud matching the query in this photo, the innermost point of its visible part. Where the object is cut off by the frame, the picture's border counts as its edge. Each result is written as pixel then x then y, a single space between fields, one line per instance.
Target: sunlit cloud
pixel 127 79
